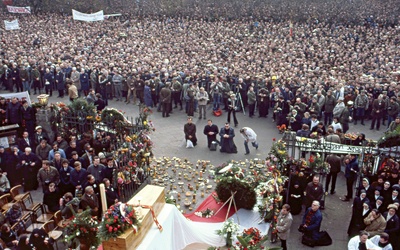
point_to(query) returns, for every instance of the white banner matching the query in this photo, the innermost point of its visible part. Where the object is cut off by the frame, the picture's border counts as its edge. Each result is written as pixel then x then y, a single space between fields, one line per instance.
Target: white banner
pixel 111 15
pixel 311 145
pixel 14 9
pixel 13 25
pixel 20 96
pixel 98 16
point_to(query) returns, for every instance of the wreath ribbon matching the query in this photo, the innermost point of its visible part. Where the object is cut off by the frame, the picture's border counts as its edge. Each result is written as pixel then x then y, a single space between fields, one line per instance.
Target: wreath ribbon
pixel 153 214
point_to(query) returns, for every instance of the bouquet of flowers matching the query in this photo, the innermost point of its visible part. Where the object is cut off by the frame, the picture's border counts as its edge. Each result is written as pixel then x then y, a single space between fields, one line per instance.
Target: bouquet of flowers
pixel 208 213
pixel 278 155
pixel 351 136
pixel 229 228
pixel 318 165
pixel 84 228
pixel 251 239
pixel 116 220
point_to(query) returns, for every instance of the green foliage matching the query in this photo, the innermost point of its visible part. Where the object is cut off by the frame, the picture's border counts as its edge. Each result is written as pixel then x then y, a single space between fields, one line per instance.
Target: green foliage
pixel 245 196
pixel 83 227
pixel 170 200
pixel 390 139
pixel 81 104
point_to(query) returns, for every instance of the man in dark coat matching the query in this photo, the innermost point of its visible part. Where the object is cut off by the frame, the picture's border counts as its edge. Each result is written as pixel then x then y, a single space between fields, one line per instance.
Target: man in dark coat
pixel 165 98
pixel 30 165
pixel 65 184
pixel 28 117
pixel 90 201
pixel 314 192
pixel 335 162
pixel 25 142
pixel 312 222
pixel 378 108
pixel 3 111
pixel 39 135
pixel 227 144
pixel 14 112
pixel 60 82
pixel 12 162
pixel 111 193
pixel 78 178
pixel 190 131
pixel 16 80
pixel 51 198
pixel 99 103
pixel 211 131
pixel 350 174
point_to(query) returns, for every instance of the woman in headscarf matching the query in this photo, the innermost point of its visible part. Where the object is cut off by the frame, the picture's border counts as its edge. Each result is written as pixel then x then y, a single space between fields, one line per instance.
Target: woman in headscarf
pixel 295 198
pixel 361 209
pixel 360 141
pixel 41 240
pixel 23 243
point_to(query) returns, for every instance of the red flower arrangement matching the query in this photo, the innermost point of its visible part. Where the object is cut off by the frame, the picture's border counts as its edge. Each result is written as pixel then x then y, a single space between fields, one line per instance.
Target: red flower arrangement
pixel 116 220
pixel 251 239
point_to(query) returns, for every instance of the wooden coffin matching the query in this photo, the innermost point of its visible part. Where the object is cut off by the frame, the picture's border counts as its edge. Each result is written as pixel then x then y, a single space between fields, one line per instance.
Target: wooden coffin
pixel 150 195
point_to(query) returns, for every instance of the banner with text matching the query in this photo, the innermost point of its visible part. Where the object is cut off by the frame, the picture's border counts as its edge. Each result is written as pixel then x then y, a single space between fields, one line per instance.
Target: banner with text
pixel 22 10
pixel 13 25
pixel 98 16
pixel 311 145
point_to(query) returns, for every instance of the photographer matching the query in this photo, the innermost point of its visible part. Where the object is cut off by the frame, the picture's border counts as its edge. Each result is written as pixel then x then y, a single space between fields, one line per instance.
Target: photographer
pixel 47 174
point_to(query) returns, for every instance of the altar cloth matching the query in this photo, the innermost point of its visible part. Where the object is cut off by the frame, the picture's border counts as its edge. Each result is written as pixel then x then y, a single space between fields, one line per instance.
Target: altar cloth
pixel 179 232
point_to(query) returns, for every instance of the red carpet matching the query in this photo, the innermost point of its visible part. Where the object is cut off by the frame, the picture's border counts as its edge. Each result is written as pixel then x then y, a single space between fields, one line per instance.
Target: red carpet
pixel 210 203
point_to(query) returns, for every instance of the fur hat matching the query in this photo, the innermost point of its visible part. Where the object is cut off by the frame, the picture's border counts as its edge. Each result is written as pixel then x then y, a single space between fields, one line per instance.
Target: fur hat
pixel 392 206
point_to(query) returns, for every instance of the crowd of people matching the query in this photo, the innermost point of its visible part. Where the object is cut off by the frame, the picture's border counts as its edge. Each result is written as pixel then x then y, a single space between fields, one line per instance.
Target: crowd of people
pixel 69 174
pixel 313 72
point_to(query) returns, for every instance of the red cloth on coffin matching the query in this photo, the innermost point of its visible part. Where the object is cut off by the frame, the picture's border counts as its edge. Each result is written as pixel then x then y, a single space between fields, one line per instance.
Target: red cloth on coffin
pixel 210 203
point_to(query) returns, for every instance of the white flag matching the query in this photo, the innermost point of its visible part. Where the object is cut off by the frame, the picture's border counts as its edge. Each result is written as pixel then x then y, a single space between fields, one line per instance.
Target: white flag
pixel 13 25
pixel 98 16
